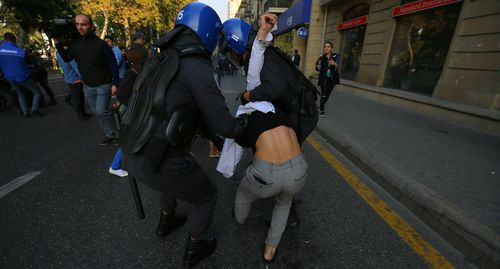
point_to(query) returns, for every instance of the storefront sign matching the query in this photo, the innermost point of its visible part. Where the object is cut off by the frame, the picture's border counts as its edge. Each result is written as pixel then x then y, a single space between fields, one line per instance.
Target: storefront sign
pixel 302 32
pixel 419 6
pixel 353 23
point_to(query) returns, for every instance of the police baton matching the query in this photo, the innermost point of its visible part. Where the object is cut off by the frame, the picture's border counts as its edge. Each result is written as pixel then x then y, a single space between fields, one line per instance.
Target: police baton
pixel 133 183
pixel 137 197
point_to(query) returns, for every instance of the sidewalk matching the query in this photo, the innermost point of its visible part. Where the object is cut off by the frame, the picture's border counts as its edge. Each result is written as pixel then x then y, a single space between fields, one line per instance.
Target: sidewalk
pixel 447 175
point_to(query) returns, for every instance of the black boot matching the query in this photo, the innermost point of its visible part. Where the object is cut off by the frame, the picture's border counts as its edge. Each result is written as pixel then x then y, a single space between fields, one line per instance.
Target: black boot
pixel 168 222
pixel 197 250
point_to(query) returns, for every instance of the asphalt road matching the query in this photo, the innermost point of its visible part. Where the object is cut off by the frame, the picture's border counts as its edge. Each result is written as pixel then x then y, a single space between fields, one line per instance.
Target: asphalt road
pixel 73 214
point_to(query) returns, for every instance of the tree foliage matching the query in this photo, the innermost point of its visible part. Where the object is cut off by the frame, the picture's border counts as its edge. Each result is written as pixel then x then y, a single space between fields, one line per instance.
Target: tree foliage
pixel 29 14
pixel 123 17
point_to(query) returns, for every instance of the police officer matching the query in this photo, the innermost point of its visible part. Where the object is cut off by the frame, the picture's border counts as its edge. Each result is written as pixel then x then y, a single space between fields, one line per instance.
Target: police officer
pixel 178 175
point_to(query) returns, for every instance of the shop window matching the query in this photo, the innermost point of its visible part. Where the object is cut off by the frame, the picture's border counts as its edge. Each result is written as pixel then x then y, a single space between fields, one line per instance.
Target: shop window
pixel 352 42
pixel 419 49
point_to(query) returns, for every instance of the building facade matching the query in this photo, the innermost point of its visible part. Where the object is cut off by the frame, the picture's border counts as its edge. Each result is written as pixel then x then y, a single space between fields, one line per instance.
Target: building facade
pixel 428 54
pixel 445 49
pixel 232 8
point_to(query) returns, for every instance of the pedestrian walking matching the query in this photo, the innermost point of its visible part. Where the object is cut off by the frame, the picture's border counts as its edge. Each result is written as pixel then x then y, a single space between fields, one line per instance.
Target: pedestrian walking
pixel 329 77
pixel 296 58
pixel 97 66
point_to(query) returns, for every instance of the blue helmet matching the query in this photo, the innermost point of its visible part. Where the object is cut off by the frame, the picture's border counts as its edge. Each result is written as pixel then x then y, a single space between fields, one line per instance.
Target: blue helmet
pixel 204 21
pixel 236 33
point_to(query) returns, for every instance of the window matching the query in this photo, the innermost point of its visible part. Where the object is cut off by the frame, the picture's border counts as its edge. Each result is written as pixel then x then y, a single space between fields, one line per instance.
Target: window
pixel 352 42
pixel 419 49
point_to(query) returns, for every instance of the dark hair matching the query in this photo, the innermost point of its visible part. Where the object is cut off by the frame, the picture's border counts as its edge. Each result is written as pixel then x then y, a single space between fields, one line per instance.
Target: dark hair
pixel 328 42
pixel 109 37
pixel 296 51
pixel 10 37
pixel 135 55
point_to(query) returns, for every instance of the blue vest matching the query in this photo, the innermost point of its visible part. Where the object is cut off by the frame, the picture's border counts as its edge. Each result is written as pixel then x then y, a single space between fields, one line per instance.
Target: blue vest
pixel 13 62
pixel 69 70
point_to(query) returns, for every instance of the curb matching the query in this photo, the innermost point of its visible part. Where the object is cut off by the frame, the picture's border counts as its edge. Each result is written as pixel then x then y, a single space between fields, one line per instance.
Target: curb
pixel 477 242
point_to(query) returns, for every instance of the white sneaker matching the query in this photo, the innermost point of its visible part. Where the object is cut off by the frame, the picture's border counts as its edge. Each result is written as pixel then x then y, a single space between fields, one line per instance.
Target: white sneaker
pixel 118 172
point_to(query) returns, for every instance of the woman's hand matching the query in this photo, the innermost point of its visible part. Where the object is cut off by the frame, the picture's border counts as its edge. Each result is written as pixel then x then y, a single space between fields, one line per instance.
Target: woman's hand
pixel 332 62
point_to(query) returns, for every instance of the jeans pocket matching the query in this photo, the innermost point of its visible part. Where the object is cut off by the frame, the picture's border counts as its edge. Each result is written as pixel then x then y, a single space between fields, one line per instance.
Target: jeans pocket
pixel 261 181
pixel 305 171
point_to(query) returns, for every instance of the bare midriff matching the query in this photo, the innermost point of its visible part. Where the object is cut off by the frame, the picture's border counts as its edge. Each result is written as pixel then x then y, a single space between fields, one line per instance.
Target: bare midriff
pixel 277 145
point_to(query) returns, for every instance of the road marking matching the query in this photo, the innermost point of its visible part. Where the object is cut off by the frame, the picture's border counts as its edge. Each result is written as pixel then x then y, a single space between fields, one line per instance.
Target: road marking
pixel 424 249
pixel 18 182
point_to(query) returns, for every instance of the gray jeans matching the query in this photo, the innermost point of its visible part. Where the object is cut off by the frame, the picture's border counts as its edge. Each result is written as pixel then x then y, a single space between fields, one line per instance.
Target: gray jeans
pixel 263 180
pixel 98 98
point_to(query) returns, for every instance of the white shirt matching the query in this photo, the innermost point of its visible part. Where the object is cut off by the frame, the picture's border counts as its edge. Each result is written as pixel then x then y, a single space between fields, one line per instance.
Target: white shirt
pixel 257 61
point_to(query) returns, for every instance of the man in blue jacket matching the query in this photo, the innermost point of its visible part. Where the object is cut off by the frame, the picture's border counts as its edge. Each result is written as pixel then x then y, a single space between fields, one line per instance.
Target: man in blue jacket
pixel 120 60
pixel 13 64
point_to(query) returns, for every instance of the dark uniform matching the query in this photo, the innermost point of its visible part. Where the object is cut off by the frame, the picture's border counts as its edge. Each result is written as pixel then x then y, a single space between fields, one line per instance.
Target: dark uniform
pixel 179 176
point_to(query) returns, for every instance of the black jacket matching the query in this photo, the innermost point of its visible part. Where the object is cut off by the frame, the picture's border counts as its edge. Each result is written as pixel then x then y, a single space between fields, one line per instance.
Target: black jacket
pixel 323 62
pixel 194 87
pixel 277 79
pixel 95 59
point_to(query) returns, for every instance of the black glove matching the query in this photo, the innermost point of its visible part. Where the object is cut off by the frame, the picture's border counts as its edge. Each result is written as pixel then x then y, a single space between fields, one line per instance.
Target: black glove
pixel 242 99
pixel 218 142
pixel 242 120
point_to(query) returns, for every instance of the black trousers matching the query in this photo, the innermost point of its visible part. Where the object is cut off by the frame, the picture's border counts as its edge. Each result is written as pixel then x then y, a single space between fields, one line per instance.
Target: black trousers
pixel 7 94
pixel 181 178
pixel 77 98
pixel 42 79
pixel 326 90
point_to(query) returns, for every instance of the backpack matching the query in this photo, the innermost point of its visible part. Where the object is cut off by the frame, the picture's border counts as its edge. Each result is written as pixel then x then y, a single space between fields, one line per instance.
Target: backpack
pixel 302 102
pixel 146 109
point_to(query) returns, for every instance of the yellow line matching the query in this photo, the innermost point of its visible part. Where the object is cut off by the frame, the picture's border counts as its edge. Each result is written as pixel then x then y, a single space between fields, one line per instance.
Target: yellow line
pixel 403 229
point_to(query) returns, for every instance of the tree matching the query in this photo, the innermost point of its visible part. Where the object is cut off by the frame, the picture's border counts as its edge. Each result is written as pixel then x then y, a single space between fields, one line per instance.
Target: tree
pixel 29 14
pixel 127 16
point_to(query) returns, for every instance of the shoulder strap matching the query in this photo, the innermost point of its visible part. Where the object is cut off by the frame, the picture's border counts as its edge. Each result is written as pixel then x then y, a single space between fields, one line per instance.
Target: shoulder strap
pixel 164 75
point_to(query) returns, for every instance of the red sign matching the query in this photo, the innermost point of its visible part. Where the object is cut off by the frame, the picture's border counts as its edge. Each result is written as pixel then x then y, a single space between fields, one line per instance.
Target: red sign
pixel 353 23
pixel 419 6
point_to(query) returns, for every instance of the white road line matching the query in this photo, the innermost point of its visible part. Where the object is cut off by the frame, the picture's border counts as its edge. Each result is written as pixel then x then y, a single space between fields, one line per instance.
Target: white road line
pixel 18 182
